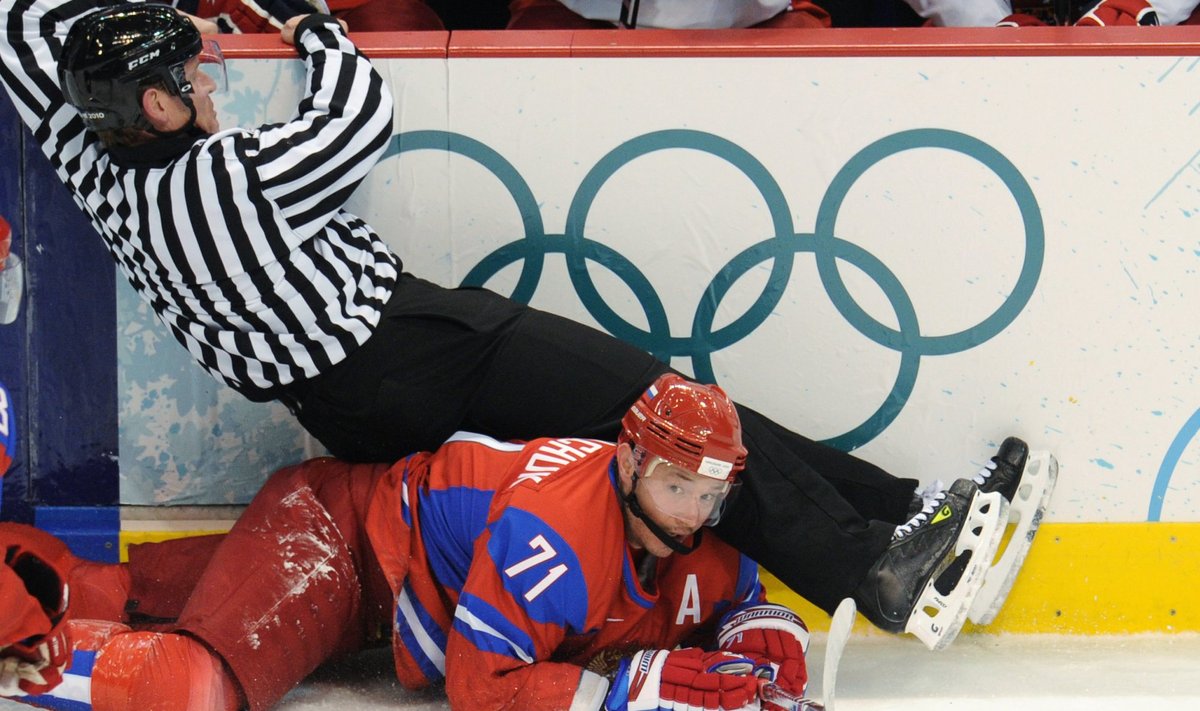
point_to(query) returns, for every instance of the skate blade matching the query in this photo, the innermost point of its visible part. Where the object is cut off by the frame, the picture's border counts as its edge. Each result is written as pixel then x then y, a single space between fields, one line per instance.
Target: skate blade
pixel 937 618
pixel 1024 516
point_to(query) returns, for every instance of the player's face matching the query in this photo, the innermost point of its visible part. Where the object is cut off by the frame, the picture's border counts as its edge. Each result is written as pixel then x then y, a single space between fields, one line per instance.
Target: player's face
pixel 682 497
pixel 678 500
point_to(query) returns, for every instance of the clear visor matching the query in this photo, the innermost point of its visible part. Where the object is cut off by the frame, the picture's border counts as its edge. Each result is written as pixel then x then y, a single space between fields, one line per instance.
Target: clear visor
pixel 207 67
pixel 687 498
pixel 212 63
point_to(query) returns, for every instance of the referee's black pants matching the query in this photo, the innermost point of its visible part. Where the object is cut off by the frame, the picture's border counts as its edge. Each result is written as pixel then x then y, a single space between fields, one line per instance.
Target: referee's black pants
pixel 444 360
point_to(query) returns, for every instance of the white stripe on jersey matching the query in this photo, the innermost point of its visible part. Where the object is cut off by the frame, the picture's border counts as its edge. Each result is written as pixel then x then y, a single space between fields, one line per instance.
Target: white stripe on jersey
pixel 74 688
pixel 435 654
pixel 463 615
pixel 486 441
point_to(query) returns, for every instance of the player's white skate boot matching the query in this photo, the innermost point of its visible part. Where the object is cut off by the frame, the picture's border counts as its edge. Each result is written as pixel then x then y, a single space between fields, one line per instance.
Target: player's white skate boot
pixel 1026 480
pixel 925 581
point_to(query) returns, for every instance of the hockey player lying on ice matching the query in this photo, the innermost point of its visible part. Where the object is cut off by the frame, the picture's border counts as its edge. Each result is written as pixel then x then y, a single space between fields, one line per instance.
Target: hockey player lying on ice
pixel 557 574
pixel 550 575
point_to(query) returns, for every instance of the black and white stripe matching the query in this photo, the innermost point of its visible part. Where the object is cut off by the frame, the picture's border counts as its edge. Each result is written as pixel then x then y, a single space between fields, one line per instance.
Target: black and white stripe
pixel 240 243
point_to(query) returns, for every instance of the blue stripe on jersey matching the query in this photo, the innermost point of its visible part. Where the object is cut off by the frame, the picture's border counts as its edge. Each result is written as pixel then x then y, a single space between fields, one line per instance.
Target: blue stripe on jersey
pixel 539 569
pixel 75 691
pixel 748 584
pixel 451 520
pixel 49 701
pixel 82 662
pixel 489 630
pixel 422 637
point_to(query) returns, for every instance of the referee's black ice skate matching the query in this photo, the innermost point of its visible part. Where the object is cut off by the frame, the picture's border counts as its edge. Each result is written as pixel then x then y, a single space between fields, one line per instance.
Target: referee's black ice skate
pixel 1003 471
pixel 1026 480
pixel 925 581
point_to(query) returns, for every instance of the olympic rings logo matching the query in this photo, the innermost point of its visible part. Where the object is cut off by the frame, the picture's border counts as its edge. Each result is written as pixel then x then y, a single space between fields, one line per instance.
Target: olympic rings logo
pixel 781 248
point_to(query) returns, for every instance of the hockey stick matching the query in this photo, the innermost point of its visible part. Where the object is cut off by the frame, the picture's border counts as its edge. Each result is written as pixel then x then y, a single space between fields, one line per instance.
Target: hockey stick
pixel 839 634
pixel 835 644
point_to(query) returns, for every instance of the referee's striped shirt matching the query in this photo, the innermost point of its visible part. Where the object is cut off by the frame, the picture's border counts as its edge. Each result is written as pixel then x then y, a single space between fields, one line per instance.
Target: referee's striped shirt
pixel 238 240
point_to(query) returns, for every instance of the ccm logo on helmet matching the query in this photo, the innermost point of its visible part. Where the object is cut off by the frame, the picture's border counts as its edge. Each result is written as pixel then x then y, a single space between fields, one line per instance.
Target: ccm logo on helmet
pixel 143 59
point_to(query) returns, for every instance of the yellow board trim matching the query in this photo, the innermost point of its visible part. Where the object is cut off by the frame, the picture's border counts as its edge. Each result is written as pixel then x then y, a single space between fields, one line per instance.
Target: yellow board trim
pixel 130 538
pixel 1085 578
pixel 1079 578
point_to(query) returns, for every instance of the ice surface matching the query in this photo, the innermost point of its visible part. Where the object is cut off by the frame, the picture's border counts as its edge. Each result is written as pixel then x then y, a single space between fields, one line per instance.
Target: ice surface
pixel 1026 672
pixel 979 672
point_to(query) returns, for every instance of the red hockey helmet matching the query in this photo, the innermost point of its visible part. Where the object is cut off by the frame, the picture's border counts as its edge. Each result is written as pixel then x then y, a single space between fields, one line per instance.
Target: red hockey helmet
pixel 689 424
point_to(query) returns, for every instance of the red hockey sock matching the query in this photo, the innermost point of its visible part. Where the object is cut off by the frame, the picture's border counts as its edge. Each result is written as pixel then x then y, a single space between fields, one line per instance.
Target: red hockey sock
pixel 157 671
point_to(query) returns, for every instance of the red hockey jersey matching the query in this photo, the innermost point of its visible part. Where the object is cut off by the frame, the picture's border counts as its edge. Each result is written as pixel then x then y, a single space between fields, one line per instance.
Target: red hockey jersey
pixel 511 571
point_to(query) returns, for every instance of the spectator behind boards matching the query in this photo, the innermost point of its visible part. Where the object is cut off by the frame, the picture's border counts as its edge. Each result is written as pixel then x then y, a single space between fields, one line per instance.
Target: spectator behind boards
pixel 258 16
pixel 665 14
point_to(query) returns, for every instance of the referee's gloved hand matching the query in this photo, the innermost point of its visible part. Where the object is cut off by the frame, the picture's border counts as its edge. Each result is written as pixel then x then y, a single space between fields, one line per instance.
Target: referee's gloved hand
pixel 689 678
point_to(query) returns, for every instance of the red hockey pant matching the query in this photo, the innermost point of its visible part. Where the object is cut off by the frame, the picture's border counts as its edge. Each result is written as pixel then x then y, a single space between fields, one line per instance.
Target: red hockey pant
pixel 292 585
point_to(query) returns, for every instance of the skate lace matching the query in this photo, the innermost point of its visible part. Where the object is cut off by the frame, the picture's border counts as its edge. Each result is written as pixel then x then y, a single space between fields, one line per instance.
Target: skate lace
pixel 932 497
pixel 984 473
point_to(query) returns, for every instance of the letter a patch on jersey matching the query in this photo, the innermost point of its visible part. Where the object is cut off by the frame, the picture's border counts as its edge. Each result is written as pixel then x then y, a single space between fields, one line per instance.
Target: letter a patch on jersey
pixel 689 602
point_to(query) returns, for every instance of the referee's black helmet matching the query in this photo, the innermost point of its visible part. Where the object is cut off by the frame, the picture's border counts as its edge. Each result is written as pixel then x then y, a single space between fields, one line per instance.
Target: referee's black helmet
pixel 111 56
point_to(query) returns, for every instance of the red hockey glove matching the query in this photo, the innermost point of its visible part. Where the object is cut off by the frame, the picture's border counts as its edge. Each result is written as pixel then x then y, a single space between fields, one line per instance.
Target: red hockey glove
pixel 774 637
pixel 35 646
pixel 688 678
pixel 1119 12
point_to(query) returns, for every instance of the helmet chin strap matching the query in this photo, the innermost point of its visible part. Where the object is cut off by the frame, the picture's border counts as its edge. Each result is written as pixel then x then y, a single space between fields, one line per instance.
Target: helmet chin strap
pixel 669 541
